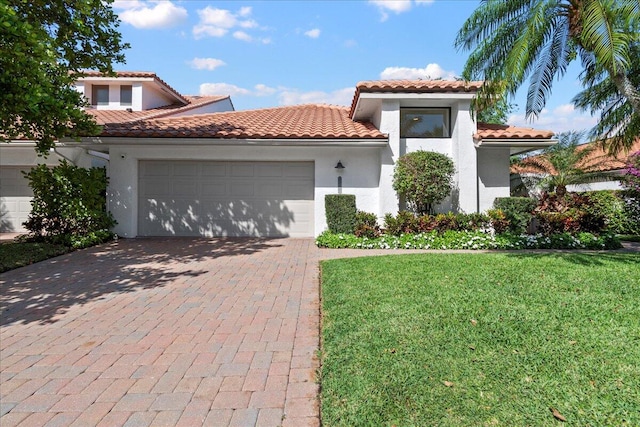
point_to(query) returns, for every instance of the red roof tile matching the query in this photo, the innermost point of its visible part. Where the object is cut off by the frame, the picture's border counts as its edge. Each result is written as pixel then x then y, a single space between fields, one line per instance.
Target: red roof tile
pixel 136 74
pixel 413 86
pixel 122 116
pixel 598 160
pixel 493 131
pixel 296 122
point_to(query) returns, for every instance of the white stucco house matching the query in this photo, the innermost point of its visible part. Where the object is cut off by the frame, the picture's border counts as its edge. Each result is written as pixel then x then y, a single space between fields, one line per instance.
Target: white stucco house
pixel 192 166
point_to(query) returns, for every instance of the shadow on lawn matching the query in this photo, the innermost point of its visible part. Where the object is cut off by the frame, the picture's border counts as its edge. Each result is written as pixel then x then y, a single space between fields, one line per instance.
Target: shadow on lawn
pixel 43 291
pixel 584 258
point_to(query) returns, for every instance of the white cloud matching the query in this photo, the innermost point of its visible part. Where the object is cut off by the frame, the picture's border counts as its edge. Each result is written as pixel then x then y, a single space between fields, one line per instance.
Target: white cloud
pixel 241 35
pixel 206 63
pixel 264 90
pixel 233 90
pixel 146 15
pixel 216 22
pixel 430 72
pixel 337 97
pixel 563 118
pixel 396 6
pixel 314 34
pixel 222 89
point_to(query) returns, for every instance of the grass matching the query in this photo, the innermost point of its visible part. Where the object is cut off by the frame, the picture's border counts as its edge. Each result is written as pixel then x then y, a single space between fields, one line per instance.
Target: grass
pixel 19 254
pixel 481 339
pixel 629 237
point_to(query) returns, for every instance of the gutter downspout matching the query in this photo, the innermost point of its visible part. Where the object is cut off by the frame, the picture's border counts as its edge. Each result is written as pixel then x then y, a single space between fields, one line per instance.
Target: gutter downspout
pixel 98 154
pixel 55 150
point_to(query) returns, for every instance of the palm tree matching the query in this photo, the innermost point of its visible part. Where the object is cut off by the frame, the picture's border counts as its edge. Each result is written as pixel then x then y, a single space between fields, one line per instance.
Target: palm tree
pixel 515 40
pixel 569 162
pixel 618 125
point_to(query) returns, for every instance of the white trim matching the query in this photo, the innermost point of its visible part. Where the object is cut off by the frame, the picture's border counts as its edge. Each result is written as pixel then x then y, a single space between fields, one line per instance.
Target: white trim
pixel 97 141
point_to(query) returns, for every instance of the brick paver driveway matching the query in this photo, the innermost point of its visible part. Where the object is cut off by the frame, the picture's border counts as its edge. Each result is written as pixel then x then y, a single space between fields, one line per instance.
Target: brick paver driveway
pixel 163 332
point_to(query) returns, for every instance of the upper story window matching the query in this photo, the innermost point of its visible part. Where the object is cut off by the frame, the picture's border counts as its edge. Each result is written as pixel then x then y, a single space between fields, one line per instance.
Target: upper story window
pixel 125 94
pixel 100 95
pixel 425 123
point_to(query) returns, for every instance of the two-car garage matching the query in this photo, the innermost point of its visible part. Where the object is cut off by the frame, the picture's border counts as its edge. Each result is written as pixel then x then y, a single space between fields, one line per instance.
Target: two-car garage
pixel 225 198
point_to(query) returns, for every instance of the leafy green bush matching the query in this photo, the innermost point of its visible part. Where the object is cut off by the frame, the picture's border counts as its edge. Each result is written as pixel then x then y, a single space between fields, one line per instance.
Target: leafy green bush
pixel 610 205
pixel 474 240
pixel 340 211
pixel 69 205
pixel 518 210
pixel 403 222
pixel 366 225
pixel 423 178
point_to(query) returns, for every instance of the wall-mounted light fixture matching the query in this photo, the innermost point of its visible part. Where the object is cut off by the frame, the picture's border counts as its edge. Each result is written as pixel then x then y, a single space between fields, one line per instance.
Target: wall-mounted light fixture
pixel 339 169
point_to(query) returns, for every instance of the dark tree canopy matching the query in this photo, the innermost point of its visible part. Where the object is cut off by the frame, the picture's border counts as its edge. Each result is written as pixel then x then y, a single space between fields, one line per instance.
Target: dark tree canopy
pixel 44 47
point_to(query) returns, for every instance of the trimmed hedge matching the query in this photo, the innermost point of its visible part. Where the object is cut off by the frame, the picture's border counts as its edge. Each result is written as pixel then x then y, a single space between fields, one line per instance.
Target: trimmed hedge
pixel 340 211
pixel 517 210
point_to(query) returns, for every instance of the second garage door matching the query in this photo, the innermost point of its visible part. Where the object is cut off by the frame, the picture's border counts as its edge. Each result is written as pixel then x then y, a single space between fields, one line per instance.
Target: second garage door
pixel 211 198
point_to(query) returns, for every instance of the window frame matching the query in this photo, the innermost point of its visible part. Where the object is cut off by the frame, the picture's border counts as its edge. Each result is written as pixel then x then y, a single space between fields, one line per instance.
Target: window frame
pixel 128 88
pixel 416 110
pixel 94 94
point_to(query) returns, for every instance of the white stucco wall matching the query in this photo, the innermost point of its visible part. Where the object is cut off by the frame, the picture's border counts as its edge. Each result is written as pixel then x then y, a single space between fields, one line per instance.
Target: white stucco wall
pixel 216 107
pixel 360 177
pixel 596 186
pixel 493 176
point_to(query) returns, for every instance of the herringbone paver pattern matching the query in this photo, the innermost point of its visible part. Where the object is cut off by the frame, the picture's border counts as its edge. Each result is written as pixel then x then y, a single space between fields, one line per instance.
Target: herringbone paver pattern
pixel 163 332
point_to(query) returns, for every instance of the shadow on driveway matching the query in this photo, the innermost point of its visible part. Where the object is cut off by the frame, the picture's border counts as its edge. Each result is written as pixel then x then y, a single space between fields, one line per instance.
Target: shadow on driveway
pixel 41 292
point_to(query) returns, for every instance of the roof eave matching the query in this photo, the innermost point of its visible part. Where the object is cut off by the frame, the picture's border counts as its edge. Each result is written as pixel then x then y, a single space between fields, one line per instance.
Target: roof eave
pixel 516 145
pixel 179 142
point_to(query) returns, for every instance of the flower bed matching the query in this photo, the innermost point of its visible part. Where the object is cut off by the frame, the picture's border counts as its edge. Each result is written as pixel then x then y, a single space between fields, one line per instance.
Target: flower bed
pixel 474 240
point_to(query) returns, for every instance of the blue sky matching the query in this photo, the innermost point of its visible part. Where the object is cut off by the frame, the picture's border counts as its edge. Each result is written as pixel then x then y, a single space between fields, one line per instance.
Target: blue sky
pixel 271 53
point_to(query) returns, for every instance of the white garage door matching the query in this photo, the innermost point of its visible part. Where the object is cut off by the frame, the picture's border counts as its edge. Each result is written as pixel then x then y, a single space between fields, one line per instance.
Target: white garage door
pixel 15 199
pixel 215 198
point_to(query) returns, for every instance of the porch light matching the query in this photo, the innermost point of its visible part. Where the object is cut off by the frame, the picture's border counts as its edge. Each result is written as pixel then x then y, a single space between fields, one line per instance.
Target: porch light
pixel 339 167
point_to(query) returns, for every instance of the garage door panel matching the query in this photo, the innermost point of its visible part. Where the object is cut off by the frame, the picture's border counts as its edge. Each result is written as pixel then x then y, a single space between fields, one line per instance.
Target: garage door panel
pixel 231 199
pixel 213 169
pixel 242 170
pixel 15 198
pixel 296 171
pixel 156 169
pixel 185 169
pixel 214 189
pixel 185 188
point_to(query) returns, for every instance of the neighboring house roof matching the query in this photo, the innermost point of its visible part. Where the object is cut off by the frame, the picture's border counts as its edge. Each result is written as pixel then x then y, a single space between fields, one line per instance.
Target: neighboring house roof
pixel 136 75
pixel 122 116
pixel 494 131
pixel 311 121
pixel 413 86
pixel 598 161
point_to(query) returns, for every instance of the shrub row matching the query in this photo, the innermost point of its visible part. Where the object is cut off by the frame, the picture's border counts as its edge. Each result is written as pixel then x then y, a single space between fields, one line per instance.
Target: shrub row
pixel 473 240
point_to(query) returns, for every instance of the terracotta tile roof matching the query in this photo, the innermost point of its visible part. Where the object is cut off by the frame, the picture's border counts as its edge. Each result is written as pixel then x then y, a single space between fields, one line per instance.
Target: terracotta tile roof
pixel 598 161
pixel 413 86
pixel 295 122
pixel 136 74
pixel 493 131
pixel 122 116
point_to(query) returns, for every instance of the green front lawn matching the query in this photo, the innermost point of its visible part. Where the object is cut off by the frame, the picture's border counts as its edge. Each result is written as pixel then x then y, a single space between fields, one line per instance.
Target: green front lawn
pixel 481 339
pixel 19 254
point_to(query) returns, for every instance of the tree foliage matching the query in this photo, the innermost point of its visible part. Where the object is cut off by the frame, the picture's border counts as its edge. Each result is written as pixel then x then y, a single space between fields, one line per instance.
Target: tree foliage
pixel 423 178
pixel 512 41
pixel 44 47
pixel 68 203
pixel 566 163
